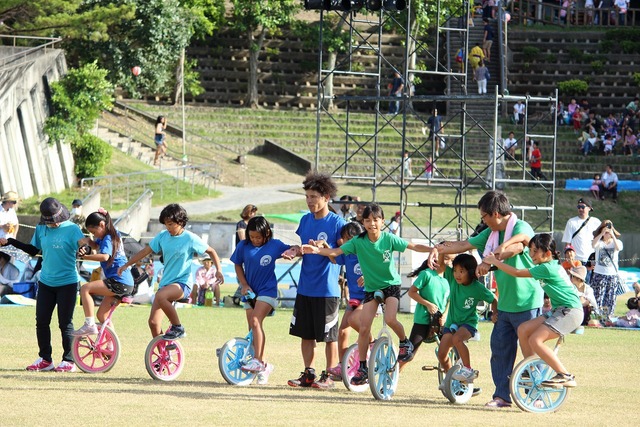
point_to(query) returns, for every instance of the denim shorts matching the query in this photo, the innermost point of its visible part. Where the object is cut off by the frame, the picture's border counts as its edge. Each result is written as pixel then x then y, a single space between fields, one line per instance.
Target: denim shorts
pixel 273 302
pixel 564 320
pixel 451 329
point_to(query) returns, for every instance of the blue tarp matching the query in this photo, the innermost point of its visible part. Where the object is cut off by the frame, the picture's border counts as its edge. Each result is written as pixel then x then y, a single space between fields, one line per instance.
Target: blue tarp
pixel 584 184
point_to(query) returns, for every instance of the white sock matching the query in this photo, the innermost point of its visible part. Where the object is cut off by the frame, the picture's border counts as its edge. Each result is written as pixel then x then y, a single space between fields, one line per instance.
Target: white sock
pixel 89 321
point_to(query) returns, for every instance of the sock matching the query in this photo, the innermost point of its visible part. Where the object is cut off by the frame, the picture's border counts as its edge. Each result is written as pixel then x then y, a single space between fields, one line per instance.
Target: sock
pixel 363 364
pixel 89 321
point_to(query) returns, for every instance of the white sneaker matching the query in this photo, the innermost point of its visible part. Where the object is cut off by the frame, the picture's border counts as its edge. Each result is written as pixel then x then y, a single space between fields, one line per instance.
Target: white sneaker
pixel 65 366
pixel 85 330
pixel 253 365
pixel 263 376
pixel 465 374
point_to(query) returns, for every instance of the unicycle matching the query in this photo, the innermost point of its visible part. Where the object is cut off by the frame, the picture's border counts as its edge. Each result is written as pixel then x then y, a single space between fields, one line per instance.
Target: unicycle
pixel 164 359
pixel 457 392
pixel 527 389
pixel 99 352
pixel 350 363
pixel 232 356
pixel 384 370
pixel 453 356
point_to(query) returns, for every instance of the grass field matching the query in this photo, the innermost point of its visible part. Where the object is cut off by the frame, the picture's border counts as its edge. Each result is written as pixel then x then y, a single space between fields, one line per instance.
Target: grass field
pixel 604 362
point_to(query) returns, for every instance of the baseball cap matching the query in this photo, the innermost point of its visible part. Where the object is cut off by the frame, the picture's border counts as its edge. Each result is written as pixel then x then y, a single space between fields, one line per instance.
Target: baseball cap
pixel 569 248
pixel 585 202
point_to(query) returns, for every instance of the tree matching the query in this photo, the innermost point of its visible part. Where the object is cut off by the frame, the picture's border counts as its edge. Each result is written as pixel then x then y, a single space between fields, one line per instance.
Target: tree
pixel 257 18
pixel 78 99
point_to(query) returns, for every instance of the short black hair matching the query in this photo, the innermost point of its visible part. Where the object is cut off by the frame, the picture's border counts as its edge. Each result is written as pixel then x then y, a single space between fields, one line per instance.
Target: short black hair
pixel 467 262
pixel 495 201
pixel 175 213
pixel 261 225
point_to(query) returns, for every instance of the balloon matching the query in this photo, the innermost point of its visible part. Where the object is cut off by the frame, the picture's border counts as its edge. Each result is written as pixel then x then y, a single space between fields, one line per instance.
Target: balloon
pixel 136 70
pixel 507 17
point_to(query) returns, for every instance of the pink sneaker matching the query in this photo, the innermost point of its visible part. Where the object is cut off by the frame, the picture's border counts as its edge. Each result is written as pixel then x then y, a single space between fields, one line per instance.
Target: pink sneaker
pixel 40 365
pixel 65 366
pixel 336 372
pixel 85 330
pixel 254 365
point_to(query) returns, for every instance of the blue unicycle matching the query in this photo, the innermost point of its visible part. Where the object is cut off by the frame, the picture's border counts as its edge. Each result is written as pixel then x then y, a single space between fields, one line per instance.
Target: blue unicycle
pixel 384 370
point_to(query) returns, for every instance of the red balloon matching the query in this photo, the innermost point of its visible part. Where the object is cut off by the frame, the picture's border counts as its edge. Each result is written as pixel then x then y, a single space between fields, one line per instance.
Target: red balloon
pixel 136 70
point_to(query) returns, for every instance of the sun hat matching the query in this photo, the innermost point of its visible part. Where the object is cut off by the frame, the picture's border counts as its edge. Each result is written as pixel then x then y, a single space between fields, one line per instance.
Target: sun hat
pixel 205 258
pixel 580 272
pixel 10 196
pixel 52 211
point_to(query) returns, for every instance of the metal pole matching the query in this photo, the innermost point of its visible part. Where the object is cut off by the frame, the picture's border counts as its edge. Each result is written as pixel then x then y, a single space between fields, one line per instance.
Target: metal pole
pixel 184 129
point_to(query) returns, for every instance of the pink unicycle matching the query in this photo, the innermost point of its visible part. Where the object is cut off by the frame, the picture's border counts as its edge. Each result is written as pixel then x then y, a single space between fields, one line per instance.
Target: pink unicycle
pixel 99 352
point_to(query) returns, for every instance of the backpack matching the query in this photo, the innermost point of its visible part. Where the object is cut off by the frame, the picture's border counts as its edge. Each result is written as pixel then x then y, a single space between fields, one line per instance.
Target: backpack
pixel 459 55
pixel 487 75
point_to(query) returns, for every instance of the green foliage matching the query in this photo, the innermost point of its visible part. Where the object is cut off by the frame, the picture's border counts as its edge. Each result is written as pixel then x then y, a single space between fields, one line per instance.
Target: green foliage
pixel 251 15
pixel 192 84
pixel 91 155
pixel 550 57
pixel 623 39
pixel 597 66
pixel 78 99
pixel 530 53
pixel 636 78
pixel 573 87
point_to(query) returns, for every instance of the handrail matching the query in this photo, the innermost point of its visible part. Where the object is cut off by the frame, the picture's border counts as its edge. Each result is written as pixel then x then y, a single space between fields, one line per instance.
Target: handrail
pixel 549 14
pixel 5 60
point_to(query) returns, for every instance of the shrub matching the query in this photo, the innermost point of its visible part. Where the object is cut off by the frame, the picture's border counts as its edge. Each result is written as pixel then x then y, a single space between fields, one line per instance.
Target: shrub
pixel 530 53
pixel 597 66
pixel 91 155
pixel 636 78
pixel 573 87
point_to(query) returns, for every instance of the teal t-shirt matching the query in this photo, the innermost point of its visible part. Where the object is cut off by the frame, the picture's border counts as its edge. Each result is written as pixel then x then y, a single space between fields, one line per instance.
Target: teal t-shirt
pixel 517 294
pixel 434 289
pixel 464 299
pixel 59 246
pixel 177 254
pixel 554 282
pixel 376 259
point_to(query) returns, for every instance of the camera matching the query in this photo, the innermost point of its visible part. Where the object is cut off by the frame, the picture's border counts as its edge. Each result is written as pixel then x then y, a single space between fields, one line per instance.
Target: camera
pixel 608 225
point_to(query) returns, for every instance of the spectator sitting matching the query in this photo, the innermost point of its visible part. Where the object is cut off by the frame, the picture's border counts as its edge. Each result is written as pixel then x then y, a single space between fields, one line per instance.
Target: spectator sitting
pixel 589 142
pixel 510 145
pixel 585 292
pixel 609 184
pixel 546 305
pixel 608 144
pixel 595 186
pixel 570 260
pixel 9 274
pixel 630 142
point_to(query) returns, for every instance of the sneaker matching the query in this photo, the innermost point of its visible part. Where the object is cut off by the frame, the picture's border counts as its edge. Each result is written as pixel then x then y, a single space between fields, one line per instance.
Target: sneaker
pixel 361 377
pixel 406 351
pixel 85 330
pixel 305 380
pixel 336 372
pixel 65 366
pixel 263 376
pixel 324 383
pixel 40 365
pixel 441 386
pixel 174 333
pixel 465 375
pixel 253 365
pixel 564 380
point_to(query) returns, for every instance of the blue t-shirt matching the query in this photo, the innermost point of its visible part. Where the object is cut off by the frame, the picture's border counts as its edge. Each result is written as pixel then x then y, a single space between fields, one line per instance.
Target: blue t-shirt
pixel 59 247
pixel 111 271
pixel 318 275
pixel 177 253
pixel 259 264
pixel 353 273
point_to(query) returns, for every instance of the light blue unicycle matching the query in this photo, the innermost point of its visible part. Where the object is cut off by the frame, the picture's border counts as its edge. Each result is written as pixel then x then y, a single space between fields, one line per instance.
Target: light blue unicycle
pixel 384 370
pixel 527 389
pixel 232 356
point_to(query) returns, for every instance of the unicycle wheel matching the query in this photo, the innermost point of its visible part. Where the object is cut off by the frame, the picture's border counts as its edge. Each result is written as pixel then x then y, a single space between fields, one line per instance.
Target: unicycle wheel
pixel 95 357
pixel 456 391
pixel 350 365
pixel 164 359
pixel 231 356
pixel 384 370
pixel 527 390
pixel 453 357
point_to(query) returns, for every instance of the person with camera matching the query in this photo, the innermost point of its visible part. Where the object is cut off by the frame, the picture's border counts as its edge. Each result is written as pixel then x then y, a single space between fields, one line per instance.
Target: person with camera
pixel 605 279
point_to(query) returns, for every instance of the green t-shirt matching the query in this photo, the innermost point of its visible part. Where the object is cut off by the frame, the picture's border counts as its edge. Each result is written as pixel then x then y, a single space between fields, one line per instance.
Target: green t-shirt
pixel 555 283
pixel 464 299
pixel 516 294
pixel 434 289
pixel 376 259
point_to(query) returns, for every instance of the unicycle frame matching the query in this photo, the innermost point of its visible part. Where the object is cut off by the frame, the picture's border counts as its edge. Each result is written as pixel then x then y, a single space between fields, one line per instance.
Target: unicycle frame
pixel 232 356
pixel 384 369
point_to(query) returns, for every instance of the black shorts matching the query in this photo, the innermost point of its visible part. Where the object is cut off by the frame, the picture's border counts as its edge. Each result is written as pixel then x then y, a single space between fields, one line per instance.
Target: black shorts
pixel 315 318
pixel 392 291
pixel 121 290
pixel 425 333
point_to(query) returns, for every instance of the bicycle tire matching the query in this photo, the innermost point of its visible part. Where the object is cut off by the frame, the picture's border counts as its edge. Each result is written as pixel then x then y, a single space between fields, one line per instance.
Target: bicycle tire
pixel 530 394
pixel 93 357
pixel 384 370
pixel 350 363
pixel 231 356
pixel 162 363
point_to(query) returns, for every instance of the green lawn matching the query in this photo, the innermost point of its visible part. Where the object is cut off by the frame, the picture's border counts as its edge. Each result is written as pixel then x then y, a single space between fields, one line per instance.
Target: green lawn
pixel 128 396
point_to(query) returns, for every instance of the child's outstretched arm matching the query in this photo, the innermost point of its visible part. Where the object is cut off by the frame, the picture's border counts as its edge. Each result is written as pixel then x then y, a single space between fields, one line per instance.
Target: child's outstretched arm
pixel 328 252
pixel 216 262
pixel 511 271
pixel 137 257
pixel 514 245
pixel 419 247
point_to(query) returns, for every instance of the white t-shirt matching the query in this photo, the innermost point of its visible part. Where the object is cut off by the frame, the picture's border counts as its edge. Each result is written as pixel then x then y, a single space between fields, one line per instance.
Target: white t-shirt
pixel 7 217
pixel 582 242
pixel 607 264
pixel 608 178
pixel 518 109
pixel 510 142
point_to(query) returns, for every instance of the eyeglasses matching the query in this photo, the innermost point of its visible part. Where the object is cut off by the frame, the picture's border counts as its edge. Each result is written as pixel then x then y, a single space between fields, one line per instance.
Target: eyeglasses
pixel 581 206
pixel 482 216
